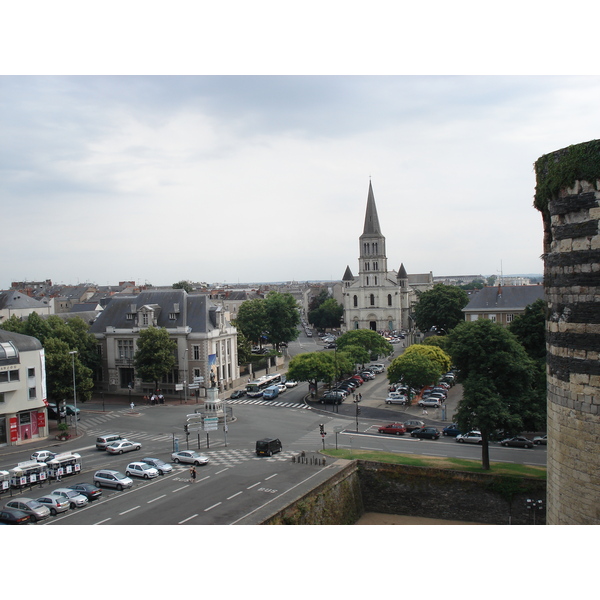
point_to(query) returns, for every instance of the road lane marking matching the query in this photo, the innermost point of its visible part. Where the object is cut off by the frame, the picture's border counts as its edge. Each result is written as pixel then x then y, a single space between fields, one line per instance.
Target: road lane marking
pixel 178 489
pixel 192 517
pixel 155 499
pixel 230 497
pixel 221 471
pixel 104 521
pixel 271 476
pixel 213 506
pixel 128 510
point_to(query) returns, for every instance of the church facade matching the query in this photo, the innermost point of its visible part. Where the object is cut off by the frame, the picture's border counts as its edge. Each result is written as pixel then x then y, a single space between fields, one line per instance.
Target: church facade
pixel 378 298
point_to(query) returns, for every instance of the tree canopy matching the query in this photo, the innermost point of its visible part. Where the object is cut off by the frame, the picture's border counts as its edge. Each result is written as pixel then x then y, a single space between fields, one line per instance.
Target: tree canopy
pixel 499 381
pixel 314 367
pixel 327 315
pixel 441 307
pixel 371 341
pixel 155 358
pixel 419 365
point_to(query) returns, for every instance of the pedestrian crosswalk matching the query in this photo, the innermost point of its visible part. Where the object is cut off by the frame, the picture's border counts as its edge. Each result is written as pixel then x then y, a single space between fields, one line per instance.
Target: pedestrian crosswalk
pixel 260 402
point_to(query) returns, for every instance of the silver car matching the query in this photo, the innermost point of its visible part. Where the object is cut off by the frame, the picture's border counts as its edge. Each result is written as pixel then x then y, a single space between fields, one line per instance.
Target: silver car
pixel 189 456
pixel 472 437
pixel 396 398
pixel 113 479
pixel 123 446
pixel 43 455
pixel 76 500
pixel 160 465
pixel 32 507
pixel 55 504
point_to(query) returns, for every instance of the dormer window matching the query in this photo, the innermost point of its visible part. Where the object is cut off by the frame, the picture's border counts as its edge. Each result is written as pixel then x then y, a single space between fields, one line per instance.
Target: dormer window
pixel 145 318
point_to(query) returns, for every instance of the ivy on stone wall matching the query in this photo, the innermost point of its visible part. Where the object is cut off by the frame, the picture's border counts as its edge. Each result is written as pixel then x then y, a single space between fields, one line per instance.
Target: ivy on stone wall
pixel 563 168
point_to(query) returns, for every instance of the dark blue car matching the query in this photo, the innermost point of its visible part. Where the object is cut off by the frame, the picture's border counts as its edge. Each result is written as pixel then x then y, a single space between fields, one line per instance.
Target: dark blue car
pixel 451 430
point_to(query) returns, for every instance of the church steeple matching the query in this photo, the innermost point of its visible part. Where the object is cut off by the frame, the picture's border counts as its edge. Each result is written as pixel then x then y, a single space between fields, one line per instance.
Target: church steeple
pixel 371 219
pixel 373 259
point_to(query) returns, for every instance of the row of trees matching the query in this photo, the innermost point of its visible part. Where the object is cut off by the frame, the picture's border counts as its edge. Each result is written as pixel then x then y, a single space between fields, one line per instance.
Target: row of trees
pixel 59 338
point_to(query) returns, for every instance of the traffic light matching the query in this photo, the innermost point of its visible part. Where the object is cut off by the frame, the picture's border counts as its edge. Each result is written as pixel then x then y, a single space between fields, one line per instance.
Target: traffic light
pixel 358 410
pixel 186 428
pixel 322 428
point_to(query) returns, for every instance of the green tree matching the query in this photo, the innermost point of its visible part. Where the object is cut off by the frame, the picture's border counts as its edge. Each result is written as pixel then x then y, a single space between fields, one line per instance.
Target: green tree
pixel 154 358
pixel 282 318
pixel 441 341
pixel 370 340
pixel 319 299
pixel 441 307
pixel 59 373
pixel 251 319
pixel 530 329
pixel 498 380
pixel 327 315
pixel 434 353
pixel 415 369
pixel 183 285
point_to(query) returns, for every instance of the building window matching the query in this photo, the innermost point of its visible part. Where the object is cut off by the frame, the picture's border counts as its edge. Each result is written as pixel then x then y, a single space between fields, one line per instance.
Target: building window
pixel 509 318
pixel 372 299
pixel 366 265
pixel 145 319
pixel 30 372
pixel 1 397
pixel 375 280
pixel 355 301
pixel 12 375
pixel 389 299
pixel 172 316
pixel 196 350
pixel 32 393
pixel 492 318
pixel 196 373
pixel 125 349
pixel 375 266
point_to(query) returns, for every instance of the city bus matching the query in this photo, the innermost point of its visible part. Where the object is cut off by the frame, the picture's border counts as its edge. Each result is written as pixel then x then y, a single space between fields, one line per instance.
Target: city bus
pixel 256 388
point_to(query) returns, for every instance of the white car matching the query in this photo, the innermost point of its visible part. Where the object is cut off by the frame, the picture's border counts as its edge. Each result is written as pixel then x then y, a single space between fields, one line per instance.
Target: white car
pixel 189 456
pixel 430 402
pixel 282 387
pixel 377 368
pixel 396 398
pixel 291 384
pixel 141 469
pixel 122 446
pixel 43 455
pixel 75 499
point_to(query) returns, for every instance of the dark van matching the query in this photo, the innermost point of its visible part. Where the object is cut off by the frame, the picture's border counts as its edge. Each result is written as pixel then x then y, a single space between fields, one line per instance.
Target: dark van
pixel 268 446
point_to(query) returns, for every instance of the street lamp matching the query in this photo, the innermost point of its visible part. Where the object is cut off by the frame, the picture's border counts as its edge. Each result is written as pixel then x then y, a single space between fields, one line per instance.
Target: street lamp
pixel 73 353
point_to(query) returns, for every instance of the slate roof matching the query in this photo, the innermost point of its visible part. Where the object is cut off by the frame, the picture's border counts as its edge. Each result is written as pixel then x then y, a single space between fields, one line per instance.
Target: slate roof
pixel 15 299
pixel 504 298
pixel 23 343
pixel 348 275
pixel 191 310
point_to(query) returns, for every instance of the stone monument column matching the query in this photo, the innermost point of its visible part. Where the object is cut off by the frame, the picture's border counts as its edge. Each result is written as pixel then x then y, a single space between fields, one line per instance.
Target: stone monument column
pixel 567 195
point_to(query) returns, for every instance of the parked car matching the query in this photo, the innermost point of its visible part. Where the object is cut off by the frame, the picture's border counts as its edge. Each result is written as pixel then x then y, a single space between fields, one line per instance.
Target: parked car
pixel 43 455
pixel 396 398
pixel 141 469
pixel 430 402
pixel 393 428
pixel 518 442
pixel 451 430
pixel 76 500
pixel 430 433
pixel 282 387
pixel 36 510
pixel 377 368
pixel 13 516
pixel 189 456
pixel 367 375
pixel 112 479
pixel 471 437
pixel 413 424
pixel 291 383
pixel 332 397
pixel 160 465
pixel 90 491
pixel 540 440
pixel 55 504
pixel 237 394
pixel 358 378
pixel 123 446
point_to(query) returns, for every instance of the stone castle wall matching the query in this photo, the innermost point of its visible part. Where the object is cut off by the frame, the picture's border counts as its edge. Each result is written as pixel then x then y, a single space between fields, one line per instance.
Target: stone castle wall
pixel 570 207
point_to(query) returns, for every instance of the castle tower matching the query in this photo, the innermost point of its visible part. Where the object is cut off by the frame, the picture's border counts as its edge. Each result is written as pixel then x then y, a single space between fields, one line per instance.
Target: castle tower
pixel 567 195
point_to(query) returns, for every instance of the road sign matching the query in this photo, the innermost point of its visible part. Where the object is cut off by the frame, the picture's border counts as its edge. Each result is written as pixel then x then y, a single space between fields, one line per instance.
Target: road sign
pixel 211 423
pixel 198 379
pixel 193 386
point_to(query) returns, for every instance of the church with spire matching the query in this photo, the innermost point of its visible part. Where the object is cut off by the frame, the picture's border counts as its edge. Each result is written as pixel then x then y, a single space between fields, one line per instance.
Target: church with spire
pixel 378 298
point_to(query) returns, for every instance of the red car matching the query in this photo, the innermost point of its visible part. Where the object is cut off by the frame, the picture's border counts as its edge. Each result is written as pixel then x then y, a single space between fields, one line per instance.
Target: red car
pixel 393 428
pixel 358 378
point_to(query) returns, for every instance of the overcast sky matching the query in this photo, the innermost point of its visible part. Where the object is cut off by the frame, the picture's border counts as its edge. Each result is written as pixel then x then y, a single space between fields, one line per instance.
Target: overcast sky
pixel 250 178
